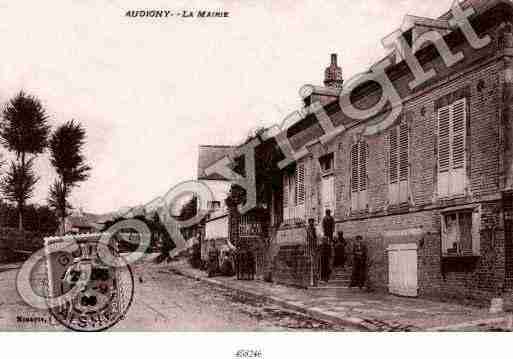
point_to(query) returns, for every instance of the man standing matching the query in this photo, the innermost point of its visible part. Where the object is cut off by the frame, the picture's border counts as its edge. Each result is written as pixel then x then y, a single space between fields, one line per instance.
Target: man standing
pixel 328 226
pixel 325 260
pixel 359 263
pixel 311 244
pixel 340 250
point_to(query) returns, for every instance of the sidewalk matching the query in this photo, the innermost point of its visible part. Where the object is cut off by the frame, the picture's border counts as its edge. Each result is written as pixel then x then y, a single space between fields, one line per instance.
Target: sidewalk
pixel 10 266
pixel 356 309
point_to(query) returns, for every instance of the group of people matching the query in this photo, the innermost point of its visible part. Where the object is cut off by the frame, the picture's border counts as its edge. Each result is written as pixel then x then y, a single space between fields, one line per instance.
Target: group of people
pixel 331 252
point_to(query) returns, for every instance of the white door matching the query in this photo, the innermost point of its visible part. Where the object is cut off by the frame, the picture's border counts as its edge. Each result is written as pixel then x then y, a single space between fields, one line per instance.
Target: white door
pixel 328 194
pixel 402 269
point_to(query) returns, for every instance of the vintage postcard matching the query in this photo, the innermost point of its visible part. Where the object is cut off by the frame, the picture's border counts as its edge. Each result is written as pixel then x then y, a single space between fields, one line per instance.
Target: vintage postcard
pixel 256 166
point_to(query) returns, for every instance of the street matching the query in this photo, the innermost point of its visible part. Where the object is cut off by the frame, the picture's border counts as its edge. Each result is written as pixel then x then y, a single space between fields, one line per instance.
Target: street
pixel 168 302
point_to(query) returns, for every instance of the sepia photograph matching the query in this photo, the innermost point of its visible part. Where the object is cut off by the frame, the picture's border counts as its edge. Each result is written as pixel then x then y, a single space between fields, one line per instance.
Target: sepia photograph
pixel 304 167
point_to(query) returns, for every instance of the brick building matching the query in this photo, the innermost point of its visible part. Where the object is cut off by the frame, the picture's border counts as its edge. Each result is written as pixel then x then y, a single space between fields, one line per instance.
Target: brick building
pixel 430 193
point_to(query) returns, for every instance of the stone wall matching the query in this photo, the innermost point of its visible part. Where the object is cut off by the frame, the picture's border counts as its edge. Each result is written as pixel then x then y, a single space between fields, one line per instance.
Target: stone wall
pixel 292 266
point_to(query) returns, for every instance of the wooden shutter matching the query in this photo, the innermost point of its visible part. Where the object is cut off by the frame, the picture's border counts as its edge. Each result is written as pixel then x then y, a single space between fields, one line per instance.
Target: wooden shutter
pixel 364 154
pixel 393 168
pixel 403 161
pixel 286 195
pixel 354 177
pixel 444 150
pixel 403 151
pixel 458 134
pixel 359 156
pixel 393 156
pixel 285 191
pixel 362 165
pixel 300 184
pixel 354 168
pixel 458 144
pixel 452 132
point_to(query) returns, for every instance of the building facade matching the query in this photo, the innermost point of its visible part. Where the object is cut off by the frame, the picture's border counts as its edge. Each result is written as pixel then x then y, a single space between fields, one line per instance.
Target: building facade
pixel 430 193
pixel 218 228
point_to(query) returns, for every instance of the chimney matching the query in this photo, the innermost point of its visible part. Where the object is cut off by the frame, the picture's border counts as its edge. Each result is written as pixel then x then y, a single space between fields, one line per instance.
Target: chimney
pixel 333 74
pixel 334 59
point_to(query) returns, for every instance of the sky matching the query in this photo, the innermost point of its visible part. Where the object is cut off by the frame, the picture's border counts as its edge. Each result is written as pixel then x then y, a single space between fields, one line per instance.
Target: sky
pixel 150 91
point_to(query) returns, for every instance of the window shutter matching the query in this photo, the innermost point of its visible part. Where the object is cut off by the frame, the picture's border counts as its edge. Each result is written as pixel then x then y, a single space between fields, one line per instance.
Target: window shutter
pixel 300 184
pixel 364 154
pixel 444 155
pixel 354 169
pixel 363 166
pixel 458 133
pixel 393 155
pixel 443 140
pixel 452 132
pixel 286 191
pixel 404 163
pixel 403 151
pixel 387 154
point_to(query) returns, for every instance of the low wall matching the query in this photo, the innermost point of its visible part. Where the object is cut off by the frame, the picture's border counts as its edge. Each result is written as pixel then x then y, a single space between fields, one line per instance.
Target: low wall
pixel 290 264
pixel 17 245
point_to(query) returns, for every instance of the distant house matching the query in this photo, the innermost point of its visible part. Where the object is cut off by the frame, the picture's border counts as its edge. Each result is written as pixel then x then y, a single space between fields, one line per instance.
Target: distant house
pixel 80 222
pixel 214 229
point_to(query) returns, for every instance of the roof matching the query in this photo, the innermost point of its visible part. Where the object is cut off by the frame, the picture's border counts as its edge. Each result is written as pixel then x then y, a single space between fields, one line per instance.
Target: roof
pixel 207 156
pixel 79 222
pixel 303 127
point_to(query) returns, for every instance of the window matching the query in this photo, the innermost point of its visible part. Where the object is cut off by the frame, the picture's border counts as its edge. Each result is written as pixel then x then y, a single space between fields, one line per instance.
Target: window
pixel 294 193
pixel 214 205
pixel 328 194
pixel 452 131
pixel 327 163
pixel 398 164
pixel 359 155
pixel 460 233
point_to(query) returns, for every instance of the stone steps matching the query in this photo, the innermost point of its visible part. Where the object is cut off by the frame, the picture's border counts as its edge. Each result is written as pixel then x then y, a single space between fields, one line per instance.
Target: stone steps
pixel 340 279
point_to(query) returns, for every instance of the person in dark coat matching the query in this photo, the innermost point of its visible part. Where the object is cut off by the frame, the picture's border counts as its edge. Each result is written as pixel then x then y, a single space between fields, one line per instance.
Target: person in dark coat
pixel 325 260
pixel 359 263
pixel 340 251
pixel 328 226
pixel 213 260
pixel 311 243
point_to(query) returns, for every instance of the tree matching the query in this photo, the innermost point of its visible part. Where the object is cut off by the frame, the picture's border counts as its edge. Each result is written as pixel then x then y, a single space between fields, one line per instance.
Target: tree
pixel 24 131
pixel 57 200
pixel 66 156
pixel 18 184
pixel 40 219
